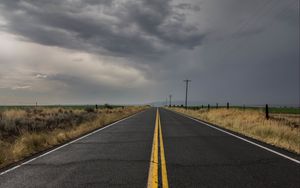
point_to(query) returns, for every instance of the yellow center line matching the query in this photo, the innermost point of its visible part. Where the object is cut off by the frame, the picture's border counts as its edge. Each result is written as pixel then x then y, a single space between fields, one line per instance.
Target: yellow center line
pixel 164 175
pixel 153 170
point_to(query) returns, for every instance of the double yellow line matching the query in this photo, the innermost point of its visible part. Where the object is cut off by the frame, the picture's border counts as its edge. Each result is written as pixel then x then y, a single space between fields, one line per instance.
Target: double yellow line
pixel 157 146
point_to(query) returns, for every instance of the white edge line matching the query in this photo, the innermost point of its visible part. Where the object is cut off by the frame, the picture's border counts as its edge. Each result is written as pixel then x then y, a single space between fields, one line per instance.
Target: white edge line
pixel 68 143
pixel 241 138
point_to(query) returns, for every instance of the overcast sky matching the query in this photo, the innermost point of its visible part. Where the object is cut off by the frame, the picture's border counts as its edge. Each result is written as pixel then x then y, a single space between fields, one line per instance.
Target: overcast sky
pixel 140 51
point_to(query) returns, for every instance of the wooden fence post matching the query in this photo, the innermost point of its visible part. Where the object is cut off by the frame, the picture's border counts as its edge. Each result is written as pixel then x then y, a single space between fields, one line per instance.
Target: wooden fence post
pixel 267 111
pixel 227 105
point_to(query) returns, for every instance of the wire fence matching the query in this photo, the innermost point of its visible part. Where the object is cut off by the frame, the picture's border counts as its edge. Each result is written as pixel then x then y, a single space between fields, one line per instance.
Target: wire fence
pixel 267 109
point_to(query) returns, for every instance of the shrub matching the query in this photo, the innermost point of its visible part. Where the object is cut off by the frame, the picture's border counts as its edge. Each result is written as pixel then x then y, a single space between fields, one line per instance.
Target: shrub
pixel 89 109
pixel 108 106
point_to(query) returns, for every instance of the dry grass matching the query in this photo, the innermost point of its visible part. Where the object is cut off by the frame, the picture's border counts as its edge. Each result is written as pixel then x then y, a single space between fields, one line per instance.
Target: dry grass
pixel 26 141
pixel 281 130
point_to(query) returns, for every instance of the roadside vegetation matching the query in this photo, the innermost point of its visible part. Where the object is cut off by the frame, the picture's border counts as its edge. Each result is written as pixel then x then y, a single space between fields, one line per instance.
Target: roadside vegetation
pixel 274 110
pixel 281 130
pixel 25 131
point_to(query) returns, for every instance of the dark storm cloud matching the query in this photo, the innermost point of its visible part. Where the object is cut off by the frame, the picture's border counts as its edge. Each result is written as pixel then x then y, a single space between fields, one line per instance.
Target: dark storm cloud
pixel 187 6
pixel 133 28
pixel 129 51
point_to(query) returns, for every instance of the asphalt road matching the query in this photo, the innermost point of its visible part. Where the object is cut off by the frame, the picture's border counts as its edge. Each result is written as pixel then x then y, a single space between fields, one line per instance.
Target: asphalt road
pixel 120 155
pixel 200 156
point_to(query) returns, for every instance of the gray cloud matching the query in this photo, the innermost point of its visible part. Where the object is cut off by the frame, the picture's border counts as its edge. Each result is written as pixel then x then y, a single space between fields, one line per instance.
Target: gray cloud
pixel 244 52
pixel 187 6
pixel 131 28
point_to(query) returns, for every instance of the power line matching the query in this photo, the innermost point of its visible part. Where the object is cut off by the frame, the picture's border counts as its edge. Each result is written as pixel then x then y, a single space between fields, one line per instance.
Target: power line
pixel 266 9
pixel 240 27
pixel 241 43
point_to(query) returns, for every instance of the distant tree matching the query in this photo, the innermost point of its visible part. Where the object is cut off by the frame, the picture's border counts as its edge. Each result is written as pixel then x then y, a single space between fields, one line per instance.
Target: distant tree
pixel 108 106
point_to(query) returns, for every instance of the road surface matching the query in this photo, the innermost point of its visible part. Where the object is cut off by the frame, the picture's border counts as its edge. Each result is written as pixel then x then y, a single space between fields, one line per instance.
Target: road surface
pixel 157 148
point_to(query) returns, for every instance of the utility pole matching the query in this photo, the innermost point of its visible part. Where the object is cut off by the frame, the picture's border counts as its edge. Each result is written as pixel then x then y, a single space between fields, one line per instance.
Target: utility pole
pixel 186 91
pixel 170 99
pixel 166 101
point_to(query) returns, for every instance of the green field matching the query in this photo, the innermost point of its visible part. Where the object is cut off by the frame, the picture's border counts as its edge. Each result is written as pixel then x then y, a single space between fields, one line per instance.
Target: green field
pixel 285 110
